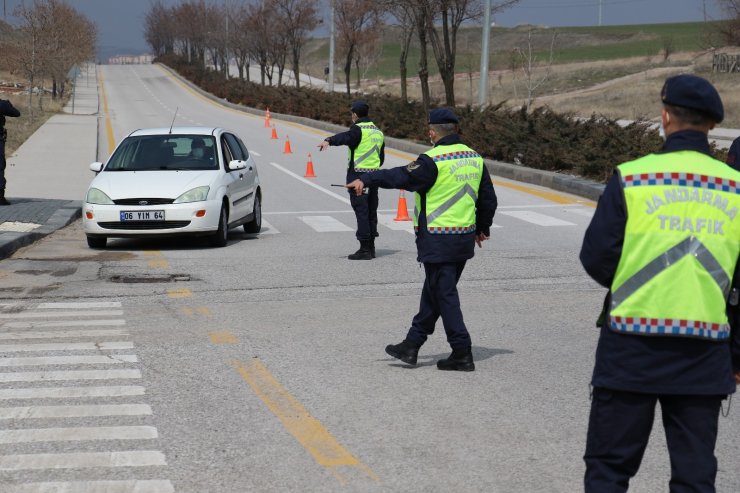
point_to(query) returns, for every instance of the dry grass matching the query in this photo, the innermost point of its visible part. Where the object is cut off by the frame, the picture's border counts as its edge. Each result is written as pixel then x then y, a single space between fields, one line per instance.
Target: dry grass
pixel 21 128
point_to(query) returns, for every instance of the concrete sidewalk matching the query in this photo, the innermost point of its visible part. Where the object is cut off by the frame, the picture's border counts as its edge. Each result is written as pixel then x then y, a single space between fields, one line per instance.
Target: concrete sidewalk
pixel 48 174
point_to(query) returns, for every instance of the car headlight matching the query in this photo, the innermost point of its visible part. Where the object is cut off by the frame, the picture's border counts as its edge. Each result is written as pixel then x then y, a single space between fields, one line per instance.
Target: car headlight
pixel 95 196
pixel 198 194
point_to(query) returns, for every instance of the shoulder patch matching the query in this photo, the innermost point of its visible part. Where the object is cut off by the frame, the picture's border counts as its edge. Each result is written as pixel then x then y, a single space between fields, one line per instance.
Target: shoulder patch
pixel 412 166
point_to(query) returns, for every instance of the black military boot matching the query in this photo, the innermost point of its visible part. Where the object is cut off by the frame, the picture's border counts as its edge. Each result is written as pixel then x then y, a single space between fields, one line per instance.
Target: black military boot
pixel 372 247
pixel 459 360
pixel 3 200
pixel 364 253
pixel 405 351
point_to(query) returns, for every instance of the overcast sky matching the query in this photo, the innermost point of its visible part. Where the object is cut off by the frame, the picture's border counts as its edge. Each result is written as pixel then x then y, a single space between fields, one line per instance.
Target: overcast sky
pixel 120 22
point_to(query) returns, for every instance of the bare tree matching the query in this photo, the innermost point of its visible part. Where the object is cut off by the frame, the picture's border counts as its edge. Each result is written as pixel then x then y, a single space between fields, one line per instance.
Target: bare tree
pixel 403 12
pixel 531 66
pixel 297 19
pixel 357 22
pixel 159 30
pixel 729 29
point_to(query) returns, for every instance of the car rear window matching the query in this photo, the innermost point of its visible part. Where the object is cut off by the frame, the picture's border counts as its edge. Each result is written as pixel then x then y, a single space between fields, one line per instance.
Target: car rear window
pixel 165 152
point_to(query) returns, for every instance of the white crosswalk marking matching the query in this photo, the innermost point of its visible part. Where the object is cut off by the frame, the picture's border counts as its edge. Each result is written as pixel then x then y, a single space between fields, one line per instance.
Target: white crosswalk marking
pixel 78 434
pixel 69 360
pixel 77 460
pixel 45 376
pixel 62 334
pixel 268 229
pixel 388 221
pixel 582 212
pixel 71 392
pixel 75 441
pixel 324 224
pixel 63 323
pixel 122 486
pixel 537 218
pixel 81 411
pixel 68 346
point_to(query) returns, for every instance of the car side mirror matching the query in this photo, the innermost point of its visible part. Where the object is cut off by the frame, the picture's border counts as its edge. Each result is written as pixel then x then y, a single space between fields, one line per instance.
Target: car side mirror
pixel 96 167
pixel 236 164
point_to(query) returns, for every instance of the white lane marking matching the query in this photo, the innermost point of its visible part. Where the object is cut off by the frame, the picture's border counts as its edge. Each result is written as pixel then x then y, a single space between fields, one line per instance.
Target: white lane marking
pixel 83 304
pixel 63 334
pixel 494 225
pixel 388 221
pixel 66 346
pixel 55 376
pixel 537 218
pixel 114 486
pixel 311 184
pixel 31 435
pixel 71 392
pixel 18 227
pixel 77 460
pixel 76 411
pixel 268 229
pixel 114 359
pixel 324 224
pixel 255 153
pixel 98 313
pixel 64 323
pixel 537 206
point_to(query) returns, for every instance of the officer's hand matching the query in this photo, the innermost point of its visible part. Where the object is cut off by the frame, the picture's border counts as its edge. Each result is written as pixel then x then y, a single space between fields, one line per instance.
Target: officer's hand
pixel 480 238
pixel 737 378
pixel 324 144
pixel 357 186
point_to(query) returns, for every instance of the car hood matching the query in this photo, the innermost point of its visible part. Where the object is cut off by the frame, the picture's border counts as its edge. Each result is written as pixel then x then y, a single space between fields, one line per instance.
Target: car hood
pixel 151 184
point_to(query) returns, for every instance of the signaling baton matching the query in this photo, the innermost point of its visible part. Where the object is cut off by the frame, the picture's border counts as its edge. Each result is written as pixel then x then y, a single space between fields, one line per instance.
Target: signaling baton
pixel 338 185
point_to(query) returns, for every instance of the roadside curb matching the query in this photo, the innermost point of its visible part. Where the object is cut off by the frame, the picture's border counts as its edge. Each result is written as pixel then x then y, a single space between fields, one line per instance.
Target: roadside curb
pixel 10 242
pixel 564 183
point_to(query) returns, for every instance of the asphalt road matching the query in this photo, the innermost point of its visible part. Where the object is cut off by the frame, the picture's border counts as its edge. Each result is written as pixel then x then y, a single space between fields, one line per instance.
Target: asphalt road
pixel 260 366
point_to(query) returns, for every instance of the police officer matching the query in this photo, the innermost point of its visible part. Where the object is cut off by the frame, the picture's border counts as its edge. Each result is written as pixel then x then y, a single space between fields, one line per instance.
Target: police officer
pixel 366 145
pixel 733 157
pixel 6 109
pixel 665 240
pixel 455 204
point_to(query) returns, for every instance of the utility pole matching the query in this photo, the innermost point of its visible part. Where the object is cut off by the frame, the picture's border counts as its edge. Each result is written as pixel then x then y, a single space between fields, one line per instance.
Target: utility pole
pixel 483 87
pixel 331 47
pixel 600 13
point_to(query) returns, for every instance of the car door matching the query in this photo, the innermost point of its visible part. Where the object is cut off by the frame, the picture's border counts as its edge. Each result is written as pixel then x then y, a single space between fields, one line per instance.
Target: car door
pixel 238 186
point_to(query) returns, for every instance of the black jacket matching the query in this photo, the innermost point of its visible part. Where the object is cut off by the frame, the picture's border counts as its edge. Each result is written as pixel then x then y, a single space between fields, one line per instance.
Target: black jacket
pixel 733 156
pixel 661 365
pixel 7 109
pixel 419 176
pixel 351 138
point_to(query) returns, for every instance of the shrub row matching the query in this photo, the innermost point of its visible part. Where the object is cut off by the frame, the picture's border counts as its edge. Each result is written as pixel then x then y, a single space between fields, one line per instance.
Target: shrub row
pixel 540 139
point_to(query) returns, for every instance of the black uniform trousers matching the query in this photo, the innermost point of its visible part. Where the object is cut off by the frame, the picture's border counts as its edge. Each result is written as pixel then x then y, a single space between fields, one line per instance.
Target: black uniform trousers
pixel 2 159
pixel 619 428
pixel 439 297
pixel 366 213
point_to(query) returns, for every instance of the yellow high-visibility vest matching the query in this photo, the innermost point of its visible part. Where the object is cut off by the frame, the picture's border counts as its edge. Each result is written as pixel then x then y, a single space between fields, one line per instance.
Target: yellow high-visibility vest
pixel 681 245
pixel 367 154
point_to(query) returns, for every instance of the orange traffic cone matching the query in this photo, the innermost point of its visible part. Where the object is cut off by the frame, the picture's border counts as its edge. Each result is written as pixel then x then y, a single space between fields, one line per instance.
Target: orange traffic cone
pixel 267 118
pixel 309 168
pixel 274 133
pixel 287 149
pixel 402 214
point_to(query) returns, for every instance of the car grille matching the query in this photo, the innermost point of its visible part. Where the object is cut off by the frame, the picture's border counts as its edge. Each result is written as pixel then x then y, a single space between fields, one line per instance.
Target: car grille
pixel 144 225
pixel 148 201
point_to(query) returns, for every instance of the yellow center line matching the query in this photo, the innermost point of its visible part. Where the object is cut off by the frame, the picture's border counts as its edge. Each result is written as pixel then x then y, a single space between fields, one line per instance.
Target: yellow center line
pixel 306 429
pixel 108 126
pixel 158 264
pixel 179 293
pixel 223 337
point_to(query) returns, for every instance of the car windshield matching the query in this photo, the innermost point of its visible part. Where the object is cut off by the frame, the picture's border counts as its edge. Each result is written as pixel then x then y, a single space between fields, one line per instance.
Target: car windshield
pixel 165 152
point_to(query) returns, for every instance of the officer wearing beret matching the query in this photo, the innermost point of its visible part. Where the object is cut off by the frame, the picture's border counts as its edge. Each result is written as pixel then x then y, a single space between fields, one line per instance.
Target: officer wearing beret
pixel 665 241
pixel 733 156
pixel 6 109
pixel 366 145
pixel 455 204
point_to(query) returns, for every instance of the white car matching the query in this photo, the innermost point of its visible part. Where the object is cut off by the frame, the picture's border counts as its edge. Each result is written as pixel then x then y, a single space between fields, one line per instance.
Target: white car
pixel 174 181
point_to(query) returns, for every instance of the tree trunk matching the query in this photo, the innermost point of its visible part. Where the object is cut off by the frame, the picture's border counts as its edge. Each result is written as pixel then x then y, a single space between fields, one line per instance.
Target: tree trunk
pixel 423 64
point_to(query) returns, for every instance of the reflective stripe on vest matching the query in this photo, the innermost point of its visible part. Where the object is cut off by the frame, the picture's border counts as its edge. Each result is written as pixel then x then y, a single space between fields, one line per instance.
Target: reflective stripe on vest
pixel 367 153
pixel 680 247
pixel 450 203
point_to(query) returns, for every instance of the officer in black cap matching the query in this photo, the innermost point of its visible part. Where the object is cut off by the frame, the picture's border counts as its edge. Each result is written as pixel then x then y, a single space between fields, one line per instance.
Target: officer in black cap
pixel 662 240
pixel 455 204
pixel 6 109
pixel 366 145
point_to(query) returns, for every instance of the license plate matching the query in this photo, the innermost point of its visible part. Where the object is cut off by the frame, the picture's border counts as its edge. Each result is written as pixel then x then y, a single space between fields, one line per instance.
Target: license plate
pixel 142 216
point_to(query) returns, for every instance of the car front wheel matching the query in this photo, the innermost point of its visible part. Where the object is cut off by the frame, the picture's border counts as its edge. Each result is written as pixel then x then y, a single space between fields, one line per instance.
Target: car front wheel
pixel 221 236
pixel 255 225
pixel 96 241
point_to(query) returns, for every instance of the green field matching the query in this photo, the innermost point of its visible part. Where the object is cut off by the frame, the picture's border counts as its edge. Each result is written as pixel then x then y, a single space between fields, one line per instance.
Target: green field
pixel 573 44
